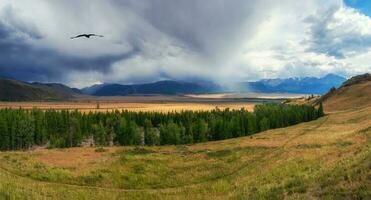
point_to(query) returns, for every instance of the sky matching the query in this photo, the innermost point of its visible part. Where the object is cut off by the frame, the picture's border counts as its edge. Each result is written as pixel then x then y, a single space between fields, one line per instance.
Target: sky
pixel 363 6
pixel 191 40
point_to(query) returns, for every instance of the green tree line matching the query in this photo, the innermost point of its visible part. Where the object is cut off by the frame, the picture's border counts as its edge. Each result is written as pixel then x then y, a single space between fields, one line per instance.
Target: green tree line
pixel 23 129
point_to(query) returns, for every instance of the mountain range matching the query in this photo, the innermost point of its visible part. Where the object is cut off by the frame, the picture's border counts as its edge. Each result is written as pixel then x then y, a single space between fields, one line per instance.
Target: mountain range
pixel 160 87
pixel 14 90
pixel 305 85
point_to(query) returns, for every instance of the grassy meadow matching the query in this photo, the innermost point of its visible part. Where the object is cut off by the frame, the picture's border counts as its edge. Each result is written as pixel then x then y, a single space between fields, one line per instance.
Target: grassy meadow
pixel 328 158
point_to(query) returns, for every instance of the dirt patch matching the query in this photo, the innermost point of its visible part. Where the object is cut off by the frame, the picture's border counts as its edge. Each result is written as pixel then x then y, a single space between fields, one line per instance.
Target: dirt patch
pixel 73 158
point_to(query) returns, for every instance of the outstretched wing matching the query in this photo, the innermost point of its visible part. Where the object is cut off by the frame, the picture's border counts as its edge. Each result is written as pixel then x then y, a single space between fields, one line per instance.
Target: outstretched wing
pixel 77 36
pixel 96 35
pixel 87 36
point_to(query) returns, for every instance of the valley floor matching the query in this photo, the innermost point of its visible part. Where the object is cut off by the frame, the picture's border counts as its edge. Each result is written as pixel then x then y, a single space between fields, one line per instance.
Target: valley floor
pixel 156 103
pixel 130 106
pixel 327 158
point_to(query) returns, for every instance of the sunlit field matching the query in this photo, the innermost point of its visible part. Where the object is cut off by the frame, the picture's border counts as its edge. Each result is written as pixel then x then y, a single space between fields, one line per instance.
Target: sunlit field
pixel 112 106
pixel 326 158
pixel 159 103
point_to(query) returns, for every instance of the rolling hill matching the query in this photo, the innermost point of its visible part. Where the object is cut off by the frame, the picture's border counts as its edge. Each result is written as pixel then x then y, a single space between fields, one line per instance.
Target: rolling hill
pixel 355 92
pixel 328 158
pixel 12 90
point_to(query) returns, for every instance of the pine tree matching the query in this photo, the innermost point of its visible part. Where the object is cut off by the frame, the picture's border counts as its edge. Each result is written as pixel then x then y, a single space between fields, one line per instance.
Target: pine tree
pixel 170 133
pixel 152 137
pixel 110 124
pixel 99 134
pixel 251 124
pixel 74 134
pixel 320 110
pixel 200 131
pixel 264 124
pixel 26 132
pixel 4 135
pixel 121 134
pixel 134 134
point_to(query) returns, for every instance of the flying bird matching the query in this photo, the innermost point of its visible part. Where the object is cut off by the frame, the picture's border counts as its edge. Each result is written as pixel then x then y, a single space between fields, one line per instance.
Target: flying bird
pixel 87 36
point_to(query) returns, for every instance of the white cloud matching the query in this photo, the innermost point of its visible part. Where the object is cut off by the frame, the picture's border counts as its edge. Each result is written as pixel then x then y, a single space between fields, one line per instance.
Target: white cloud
pixel 317 39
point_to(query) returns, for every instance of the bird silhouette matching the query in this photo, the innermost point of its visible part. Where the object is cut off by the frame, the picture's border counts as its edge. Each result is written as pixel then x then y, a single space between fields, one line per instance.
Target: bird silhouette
pixel 87 36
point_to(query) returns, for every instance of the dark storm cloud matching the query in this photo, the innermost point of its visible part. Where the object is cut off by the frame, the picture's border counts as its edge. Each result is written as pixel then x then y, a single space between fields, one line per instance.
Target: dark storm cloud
pixel 14 56
pixel 21 60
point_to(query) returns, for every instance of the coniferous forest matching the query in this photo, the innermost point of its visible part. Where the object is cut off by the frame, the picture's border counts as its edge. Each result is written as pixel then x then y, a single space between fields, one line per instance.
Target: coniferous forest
pixel 24 129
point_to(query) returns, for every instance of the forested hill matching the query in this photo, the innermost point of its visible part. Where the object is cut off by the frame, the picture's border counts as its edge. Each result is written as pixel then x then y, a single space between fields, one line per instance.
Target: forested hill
pixel 12 90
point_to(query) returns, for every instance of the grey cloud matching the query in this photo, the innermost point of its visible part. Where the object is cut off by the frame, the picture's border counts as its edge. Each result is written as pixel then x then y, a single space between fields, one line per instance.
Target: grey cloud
pixel 212 28
pixel 15 25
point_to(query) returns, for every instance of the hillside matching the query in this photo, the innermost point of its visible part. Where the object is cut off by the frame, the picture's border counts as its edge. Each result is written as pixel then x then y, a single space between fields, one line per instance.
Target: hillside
pixel 325 159
pixel 355 92
pixel 12 90
pixel 328 158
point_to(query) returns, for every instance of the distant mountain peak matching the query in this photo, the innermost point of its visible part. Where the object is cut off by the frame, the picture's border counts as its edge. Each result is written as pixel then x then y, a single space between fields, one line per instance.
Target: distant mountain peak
pixel 333 76
pixel 303 85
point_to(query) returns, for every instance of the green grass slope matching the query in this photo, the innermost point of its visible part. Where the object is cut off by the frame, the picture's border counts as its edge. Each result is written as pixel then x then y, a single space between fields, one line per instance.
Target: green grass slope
pixel 12 90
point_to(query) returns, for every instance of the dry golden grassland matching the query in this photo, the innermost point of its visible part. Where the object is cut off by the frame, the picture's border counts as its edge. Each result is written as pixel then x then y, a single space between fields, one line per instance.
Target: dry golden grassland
pixel 155 103
pixel 112 106
pixel 357 95
pixel 328 158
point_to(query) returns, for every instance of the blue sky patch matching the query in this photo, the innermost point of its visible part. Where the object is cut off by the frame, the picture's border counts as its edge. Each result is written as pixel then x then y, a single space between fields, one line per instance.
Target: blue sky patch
pixel 362 5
